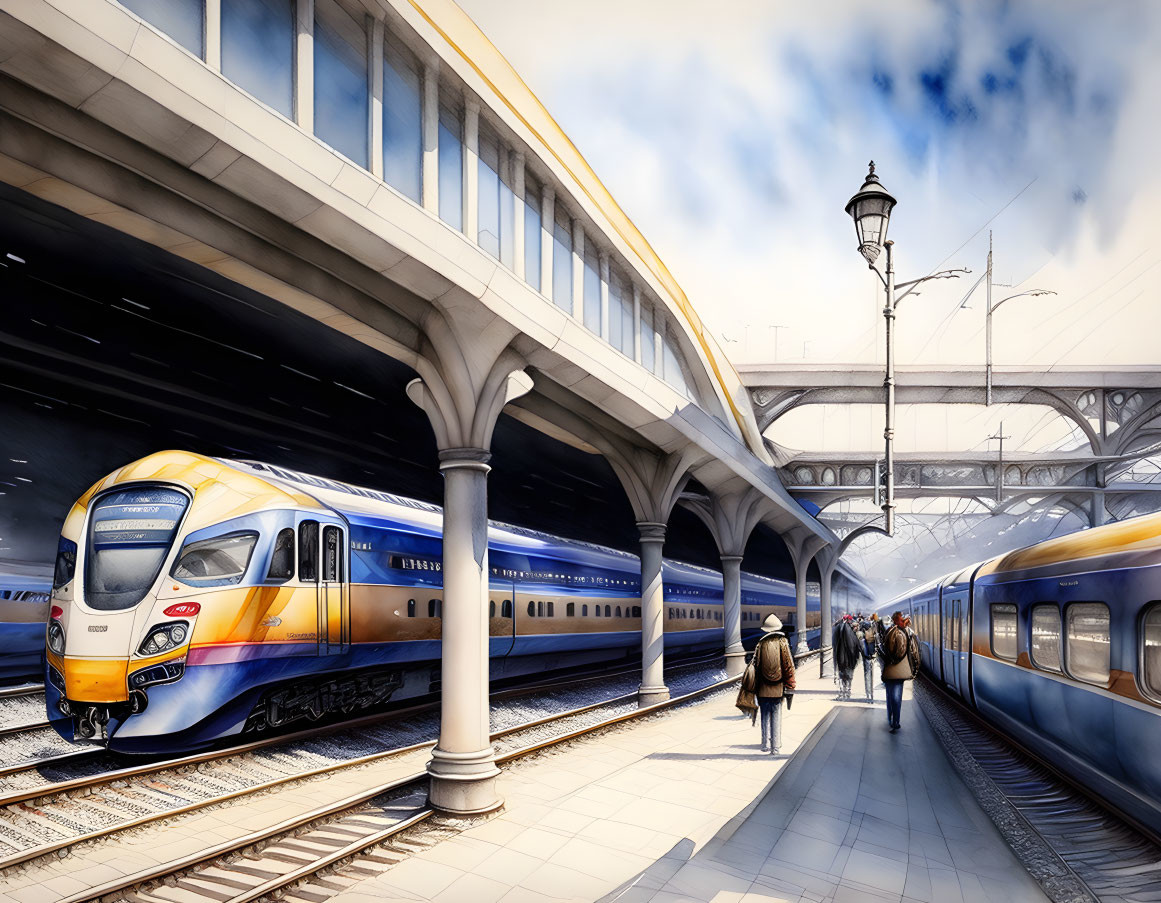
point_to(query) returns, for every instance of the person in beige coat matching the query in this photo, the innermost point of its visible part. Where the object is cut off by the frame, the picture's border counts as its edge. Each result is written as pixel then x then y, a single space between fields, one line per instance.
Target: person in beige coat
pixel 900 654
pixel 774 672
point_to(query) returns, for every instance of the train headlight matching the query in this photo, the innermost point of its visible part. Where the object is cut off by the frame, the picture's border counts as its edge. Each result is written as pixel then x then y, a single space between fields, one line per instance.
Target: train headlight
pixel 164 637
pixel 56 638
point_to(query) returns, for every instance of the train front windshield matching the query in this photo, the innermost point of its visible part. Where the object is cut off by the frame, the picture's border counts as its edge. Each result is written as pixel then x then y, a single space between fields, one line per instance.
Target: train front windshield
pixel 130 534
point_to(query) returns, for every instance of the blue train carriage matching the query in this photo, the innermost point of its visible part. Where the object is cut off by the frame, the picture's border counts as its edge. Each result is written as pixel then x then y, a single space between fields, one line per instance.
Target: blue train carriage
pixel 24 608
pixel 1067 657
pixel 761 597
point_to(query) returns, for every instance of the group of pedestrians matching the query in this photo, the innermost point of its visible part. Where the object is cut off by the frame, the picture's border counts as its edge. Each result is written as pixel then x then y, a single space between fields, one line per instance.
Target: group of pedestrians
pixel 858 638
pixel 768 681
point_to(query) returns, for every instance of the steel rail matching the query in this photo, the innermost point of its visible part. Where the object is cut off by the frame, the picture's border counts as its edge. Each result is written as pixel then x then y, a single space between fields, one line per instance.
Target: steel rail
pixel 22 690
pixel 23 728
pixel 164 870
pixel 20 796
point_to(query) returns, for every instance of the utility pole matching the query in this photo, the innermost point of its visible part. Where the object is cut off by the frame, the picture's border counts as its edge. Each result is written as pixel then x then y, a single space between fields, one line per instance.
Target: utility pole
pixel 1000 466
pixel 776 328
pixel 988 388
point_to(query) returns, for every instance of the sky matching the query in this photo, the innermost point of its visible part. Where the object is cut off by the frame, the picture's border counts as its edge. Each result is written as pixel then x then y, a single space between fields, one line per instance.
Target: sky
pixel 733 134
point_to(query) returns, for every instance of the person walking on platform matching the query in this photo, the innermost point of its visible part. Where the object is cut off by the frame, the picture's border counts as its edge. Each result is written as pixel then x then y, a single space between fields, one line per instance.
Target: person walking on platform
pixel 845 644
pixel 774 681
pixel 900 653
pixel 868 649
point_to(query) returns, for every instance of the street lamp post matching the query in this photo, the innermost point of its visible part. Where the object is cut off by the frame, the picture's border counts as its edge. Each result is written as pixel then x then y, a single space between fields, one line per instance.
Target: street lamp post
pixel 870 208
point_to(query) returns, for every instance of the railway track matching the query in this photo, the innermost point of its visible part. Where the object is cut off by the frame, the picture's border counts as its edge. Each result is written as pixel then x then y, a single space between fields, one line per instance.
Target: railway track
pixel 391 821
pixel 1075 847
pixel 47 817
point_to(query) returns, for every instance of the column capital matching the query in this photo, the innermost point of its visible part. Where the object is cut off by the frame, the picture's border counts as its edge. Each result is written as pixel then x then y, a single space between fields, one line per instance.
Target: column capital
pixel 726 558
pixel 471 458
pixel 651 531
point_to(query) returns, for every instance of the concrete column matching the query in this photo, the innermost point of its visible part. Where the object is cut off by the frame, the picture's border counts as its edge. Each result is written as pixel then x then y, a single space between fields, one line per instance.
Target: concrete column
pixel 800 647
pixel 431 138
pixel 213 34
pixel 516 160
pixel 375 122
pixel 604 264
pixel 304 64
pixel 825 652
pixel 472 168
pixel 462 767
pixel 637 323
pixel 578 270
pixel 653 687
pixel 732 592
pixel 547 224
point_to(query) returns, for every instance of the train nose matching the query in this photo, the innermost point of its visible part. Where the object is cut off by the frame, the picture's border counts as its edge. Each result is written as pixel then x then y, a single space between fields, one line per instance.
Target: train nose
pixel 96 680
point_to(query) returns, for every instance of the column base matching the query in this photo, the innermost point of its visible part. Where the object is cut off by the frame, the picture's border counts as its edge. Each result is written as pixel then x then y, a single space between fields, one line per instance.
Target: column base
pixel 647 696
pixel 826 662
pixel 735 663
pixel 463 783
pixel 801 649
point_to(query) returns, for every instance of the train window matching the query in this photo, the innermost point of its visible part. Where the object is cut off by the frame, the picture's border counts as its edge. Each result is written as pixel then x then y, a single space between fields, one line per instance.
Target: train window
pixel 282 558
pixel 540 608
pixel 1151 650
pixel 699 614
pixel 636 611
pixel 308 550
pixel 506 608
pixel 218 561
pixel 332 554
pixel 532 609
pixel 492 608
pixel 66 563
pixel 584 611
pixel 618 611
pixel 570 610
pixel 1004 632
pixel 1087 642
pixel 551 610
pixel 1045 645
pixel 411 608
pixel 671 614
pixel 434 608
pixel 608 611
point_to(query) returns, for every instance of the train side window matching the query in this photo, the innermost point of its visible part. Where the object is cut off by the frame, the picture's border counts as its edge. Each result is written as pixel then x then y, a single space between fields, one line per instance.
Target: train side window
pixel 492 608
pixel 1087 642
pixel 434 608
pixel 584 611
pixel 551 610
pixel 532 609
pixel 411 608
pixel 570 610
pixel 1151 650
pixel 540 608
pixel 332 564
pixel 671 614
pixel 618 611
pixel 608 611
pixel 636 611
pixel 506 608
pixel 1045 645
pixel 282 558
pixel 1004 632
pixel 308 551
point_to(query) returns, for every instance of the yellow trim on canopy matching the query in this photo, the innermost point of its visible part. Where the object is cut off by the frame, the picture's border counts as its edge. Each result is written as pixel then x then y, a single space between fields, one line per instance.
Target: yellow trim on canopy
pixel 1134 535
pixel 503 79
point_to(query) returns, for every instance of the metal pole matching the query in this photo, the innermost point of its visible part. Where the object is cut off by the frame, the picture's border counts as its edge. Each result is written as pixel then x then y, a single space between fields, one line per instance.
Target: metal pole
pixel 1000 469
pixel 988 388
pixel 889 386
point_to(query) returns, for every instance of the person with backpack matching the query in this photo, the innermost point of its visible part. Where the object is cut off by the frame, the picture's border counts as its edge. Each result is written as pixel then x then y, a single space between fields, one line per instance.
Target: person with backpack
pixel 773 679
pixel 900 654
pixel 868 649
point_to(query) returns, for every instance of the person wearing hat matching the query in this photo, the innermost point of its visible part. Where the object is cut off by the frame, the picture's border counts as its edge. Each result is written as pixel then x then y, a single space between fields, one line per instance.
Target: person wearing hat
pixel 774 670
pixel 900 653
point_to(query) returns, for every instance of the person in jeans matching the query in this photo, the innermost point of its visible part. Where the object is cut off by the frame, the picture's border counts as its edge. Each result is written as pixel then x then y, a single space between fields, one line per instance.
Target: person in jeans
pixel 774 670
pixel 868 649
pixel 900 653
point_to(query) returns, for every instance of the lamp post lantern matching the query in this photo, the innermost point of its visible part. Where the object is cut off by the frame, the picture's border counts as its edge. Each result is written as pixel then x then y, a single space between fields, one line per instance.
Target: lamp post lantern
pixel 870 209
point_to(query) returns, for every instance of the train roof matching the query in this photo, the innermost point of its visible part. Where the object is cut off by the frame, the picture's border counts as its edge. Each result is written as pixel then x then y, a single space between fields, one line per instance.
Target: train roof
pixel 1137 534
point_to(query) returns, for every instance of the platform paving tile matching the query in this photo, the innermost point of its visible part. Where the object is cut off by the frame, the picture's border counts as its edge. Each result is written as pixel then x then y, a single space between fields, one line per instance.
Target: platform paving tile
pixel 685 808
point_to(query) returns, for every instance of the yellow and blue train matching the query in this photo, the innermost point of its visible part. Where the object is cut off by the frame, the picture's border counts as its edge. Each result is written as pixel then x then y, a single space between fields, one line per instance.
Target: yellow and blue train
pixel 1059 647
pixel 196 599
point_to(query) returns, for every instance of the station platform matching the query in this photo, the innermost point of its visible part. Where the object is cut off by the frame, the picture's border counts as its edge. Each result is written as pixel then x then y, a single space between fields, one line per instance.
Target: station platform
pixel 683 806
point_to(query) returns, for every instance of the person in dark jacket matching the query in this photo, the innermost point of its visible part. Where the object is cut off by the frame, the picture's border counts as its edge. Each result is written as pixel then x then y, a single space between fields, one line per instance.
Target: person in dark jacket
pixel 774 667
pixel 900 654
pixel 868 649
pixel 845 644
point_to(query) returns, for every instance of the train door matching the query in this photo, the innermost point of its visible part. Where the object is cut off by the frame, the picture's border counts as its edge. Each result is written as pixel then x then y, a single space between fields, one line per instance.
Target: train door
pixel 955 633
pixel 941 638
pixel 322 550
